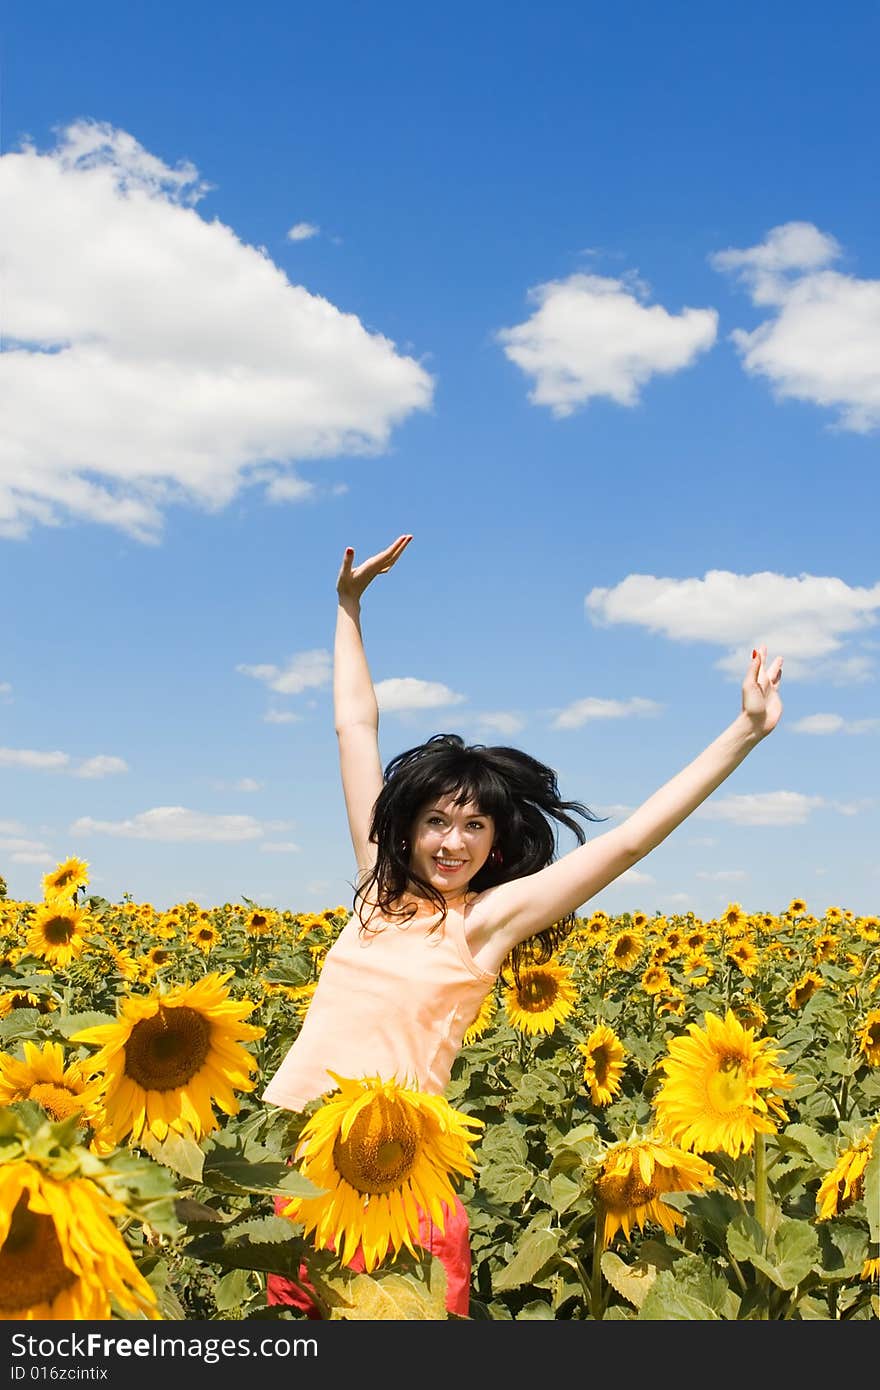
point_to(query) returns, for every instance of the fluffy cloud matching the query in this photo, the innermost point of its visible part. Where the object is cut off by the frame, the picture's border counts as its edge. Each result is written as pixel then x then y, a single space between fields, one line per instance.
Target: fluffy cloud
pixel 833 724
pixel 761 808
pixel 402 693
pixel 174 824
pixel 101 765
pixel 594 336
pixel 806 619
pixel 303 231
pixel 304 671
pixel 822 342
pixel 584 711
pixel 152 357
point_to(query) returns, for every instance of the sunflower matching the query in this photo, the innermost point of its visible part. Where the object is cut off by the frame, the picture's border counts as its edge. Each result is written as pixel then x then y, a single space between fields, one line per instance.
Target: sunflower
pixel 544 997
pixel 61 1253
pixel 483 1020
pixel 603 1067
pixel 655 979
pixel 750 1013
pixel 632 1179
pixel 42 1076
pixel 796 908
pixel 204 935
pixel 718 1089
pixel 258 922
pixel 803 989
pixel 155 959
pixel 624 950
pixel 672 1002
pixel 869 1038
pixel 169 1058
pixel 834 914
pixel 65 878
pixel 734 919
pixel 825 947
pixel 845 1183
pixel 745 956
pixel 869 928
pixel 380 1152
pixel 25 999
pixel 58 930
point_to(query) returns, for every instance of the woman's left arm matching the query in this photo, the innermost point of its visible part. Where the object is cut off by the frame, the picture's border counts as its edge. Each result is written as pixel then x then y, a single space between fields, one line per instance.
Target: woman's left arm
pixel 528 905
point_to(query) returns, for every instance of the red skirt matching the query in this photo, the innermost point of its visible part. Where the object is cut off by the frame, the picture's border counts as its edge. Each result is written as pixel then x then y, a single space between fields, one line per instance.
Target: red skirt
pixel 450 1246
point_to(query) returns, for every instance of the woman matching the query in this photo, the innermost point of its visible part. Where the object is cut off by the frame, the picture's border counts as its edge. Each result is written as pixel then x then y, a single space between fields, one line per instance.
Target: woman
pixel 457 876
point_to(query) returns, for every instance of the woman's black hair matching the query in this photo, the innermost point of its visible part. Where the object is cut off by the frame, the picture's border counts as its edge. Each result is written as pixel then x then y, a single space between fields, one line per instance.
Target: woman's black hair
pixel 518 792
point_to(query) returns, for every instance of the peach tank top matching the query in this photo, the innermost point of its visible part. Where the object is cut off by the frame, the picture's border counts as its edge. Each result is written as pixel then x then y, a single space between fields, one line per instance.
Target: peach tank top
pixel 393 1000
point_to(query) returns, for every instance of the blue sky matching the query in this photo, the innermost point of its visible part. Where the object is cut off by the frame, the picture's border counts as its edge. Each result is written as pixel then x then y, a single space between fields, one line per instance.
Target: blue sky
pixel 586 298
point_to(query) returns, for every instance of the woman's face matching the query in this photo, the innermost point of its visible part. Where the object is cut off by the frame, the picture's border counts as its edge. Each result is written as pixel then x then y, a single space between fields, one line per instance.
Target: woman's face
pixel 450 843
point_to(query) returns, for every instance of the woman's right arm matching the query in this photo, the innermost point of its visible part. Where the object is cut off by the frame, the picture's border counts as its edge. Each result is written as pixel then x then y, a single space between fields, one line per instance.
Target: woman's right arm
pixel 355 709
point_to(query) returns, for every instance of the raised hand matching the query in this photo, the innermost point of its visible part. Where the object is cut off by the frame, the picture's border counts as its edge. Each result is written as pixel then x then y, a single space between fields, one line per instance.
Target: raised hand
pixel 353 579
pixel 760 692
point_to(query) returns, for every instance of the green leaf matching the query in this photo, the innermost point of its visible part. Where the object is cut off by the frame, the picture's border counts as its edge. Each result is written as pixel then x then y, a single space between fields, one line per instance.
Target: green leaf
pixel 792 1250
pixel 506 1184
pixel 633 1282
pixel 563 1192
pixel 233 1289
pixel 665 1302
pixel 820 1147
pixel 236 1166
pixel 181 1155
pixel 534 1251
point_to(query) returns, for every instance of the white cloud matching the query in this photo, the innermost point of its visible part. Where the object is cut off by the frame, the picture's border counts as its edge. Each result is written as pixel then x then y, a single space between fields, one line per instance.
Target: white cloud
pixel 18 845
pixel 822 343
pixel 281 847
pixel 102 765
pixel 247 784
pixel 302 231
pixel 583 711
pixel 32 758
pixel 833 724
pixel 594 336
pixel 722 875
pixel 630 876
pixel 761 808
pixel 499 722
pixel 305 671
pixel 152 357
pixel 804 619
pixel 408 693
pixel 175 824
pixel 31 857
pixel 280 716
pixel 5 688
pixel 11 827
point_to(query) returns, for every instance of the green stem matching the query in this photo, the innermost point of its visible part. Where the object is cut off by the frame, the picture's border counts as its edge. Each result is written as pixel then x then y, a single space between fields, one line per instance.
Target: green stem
pixel 761 1213
pixel 761 1188
pixel 596 1292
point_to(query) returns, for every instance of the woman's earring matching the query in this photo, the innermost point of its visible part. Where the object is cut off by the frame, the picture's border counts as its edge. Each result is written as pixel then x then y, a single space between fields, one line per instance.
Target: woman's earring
pixel 495 856
pixel 404 846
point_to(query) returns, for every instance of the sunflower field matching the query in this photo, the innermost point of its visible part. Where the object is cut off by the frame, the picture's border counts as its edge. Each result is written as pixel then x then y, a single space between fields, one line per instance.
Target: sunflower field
pixel 671 1119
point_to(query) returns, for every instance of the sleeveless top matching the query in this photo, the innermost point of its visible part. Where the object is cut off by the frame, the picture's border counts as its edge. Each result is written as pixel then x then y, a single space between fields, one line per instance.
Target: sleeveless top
pixel 393 1000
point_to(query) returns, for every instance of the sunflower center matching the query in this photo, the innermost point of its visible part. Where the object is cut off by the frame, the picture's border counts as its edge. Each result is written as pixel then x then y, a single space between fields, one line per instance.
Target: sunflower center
pixel 625 1191
pixel 537 993
pixel 599 1057
pixel 729 1087
pixel 381 1149
pixel 57 1100
pixel 167 1050
pixel 57 931
pixel 32 1269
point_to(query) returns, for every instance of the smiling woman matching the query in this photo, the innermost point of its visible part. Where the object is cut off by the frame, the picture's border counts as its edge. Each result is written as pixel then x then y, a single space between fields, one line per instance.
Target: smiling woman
pixel 458 879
